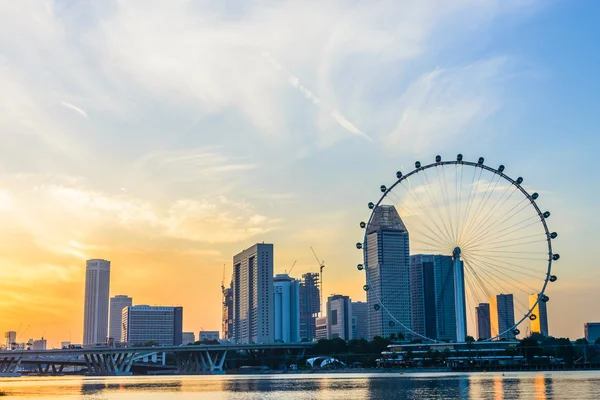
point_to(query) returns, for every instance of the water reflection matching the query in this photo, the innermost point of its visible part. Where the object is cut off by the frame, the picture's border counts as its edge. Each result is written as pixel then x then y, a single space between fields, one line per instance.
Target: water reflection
pixel 385 386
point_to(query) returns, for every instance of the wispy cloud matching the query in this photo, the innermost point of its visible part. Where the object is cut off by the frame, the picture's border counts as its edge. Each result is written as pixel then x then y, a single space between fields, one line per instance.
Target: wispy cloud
pixel 74 108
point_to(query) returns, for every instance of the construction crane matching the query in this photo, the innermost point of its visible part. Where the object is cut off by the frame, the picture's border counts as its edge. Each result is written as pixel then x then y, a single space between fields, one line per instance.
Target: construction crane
pixel 321 266
pixel 291 267
pixel 223 281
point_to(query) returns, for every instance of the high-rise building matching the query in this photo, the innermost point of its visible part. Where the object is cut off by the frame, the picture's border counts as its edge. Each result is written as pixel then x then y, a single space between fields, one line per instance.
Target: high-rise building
pixel 10 338
pixel 387 262
pixel 433 296
pixel 540 323
pixel 97 287
pixel 227 315
pixel 208 335
pixel 161 324
pixel 339 317
pixel 591 331
pixel 359 320
pixel 310 305
pixel 321 328
pixel 286 308
pixel 252 284
pixel 188 337
pixel 115 325
pixel 38 344
pixel 502 316
pixel 482 314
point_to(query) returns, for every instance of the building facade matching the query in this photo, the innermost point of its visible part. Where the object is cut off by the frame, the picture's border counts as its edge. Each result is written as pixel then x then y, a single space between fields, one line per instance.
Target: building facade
pixel 540 323
pixel 591 331
pixel 310 305
pixel 97 287
pixel 188 337
pixel 161 324
pixel 286 308
pixel 502 316
pixel 482 315
pixel 387 263
pixel 115 323
pixel 321 328
pixel 359 320
pixel 10 339
pixel 339 317
pixel 433 296
pixel 252 284
pixel 227 315
pixel 208 335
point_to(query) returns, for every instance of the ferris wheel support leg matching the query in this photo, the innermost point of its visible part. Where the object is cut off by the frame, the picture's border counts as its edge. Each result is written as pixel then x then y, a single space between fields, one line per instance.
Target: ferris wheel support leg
pixel 459 297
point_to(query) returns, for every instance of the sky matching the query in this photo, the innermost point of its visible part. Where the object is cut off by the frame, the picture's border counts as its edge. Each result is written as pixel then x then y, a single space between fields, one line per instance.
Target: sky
pixel 168 136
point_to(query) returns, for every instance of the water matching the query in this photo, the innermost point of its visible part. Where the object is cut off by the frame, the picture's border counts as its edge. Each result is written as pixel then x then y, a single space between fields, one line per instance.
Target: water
pixel 386 386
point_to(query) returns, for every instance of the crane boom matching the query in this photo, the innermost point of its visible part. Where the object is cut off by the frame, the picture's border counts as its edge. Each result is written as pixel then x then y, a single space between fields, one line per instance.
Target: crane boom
pixel 292 266
pixel 321 266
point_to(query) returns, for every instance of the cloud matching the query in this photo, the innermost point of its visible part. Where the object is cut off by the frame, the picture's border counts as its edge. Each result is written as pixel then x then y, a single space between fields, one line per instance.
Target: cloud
pixel 74 108
pixel 440 105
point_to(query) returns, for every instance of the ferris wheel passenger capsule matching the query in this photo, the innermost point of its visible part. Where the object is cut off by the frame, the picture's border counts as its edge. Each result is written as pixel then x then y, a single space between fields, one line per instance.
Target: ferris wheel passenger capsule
pixel 553 235
pixel 535 196
pixel 555 256
pixel 376 307
pixel 501 168
pixel 459 157
pixel 418 164
pixel 359 245
pixel 438 158
pixel 533 317
pixel 516 332
pixel 360 267
pixel 383 188
pixel 480 161
pixel 366 287
pixel 398 174
pixel 553 278
pixel 362 224
pixel 519 180
pixel 546 214
pixel 371 205
pixel 545 298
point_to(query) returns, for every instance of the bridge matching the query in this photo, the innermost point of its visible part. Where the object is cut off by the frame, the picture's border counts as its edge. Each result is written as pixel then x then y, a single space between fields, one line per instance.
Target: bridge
pixel 102 361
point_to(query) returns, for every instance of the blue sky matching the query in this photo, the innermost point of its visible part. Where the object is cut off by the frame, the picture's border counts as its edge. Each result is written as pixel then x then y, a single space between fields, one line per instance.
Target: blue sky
pixel 168 137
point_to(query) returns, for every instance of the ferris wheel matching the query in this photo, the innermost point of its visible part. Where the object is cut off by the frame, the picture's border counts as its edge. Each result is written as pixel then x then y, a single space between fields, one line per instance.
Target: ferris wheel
pixel 455 249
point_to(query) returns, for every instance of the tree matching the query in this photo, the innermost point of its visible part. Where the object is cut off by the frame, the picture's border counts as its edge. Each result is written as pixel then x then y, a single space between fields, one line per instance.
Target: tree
pixel 393 337
pixel 401 336
pixel 530 348
pixel 597 341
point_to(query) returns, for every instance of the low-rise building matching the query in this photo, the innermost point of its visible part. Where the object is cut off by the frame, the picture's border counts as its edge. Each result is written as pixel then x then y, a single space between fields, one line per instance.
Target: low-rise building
pixel 188 337
pixel 160 324
pixel 208 335
pixel 321 328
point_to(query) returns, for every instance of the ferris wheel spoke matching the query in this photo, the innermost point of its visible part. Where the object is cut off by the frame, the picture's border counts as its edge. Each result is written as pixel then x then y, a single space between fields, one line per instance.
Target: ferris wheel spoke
pixel 513 245
pixel 518 239
pixel 492 211
pixel 469 202
pixel 491 229
pixel 490 269
pixel 508 230
pixel 433 232
pixel 426 211
pixel 522 268
pixel 437 208
pixel 505 268
pixel 484 289
pixel 483 201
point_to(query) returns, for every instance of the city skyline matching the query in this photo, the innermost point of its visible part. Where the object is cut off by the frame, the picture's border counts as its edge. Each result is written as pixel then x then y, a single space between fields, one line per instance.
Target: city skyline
pixel 168 173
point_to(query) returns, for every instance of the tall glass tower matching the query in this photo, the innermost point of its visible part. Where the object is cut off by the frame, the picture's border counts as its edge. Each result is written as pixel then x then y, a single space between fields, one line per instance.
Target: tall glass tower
pixel 97 285
pixel 540 323
pixel 387 262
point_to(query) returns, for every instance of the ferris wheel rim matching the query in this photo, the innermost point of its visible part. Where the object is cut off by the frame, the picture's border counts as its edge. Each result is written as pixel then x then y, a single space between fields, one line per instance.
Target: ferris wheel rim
pixel 500 172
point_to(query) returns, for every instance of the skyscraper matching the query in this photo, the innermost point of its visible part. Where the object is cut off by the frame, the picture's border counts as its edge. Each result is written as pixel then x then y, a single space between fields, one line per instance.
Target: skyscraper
pixel 339 317
pixel 227 315
pixel 432 296
pixel 310 305
pixel 97 287
pixel 359 320
pixel 252 284
pixel 540 323
pixel 502 315
pixel 161 324
pixel 591 331
pixel 387 262
pixel 117 304
pixel 286 309
pixel 482 314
